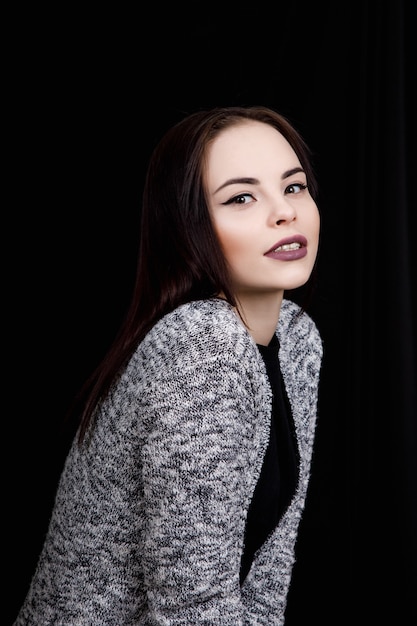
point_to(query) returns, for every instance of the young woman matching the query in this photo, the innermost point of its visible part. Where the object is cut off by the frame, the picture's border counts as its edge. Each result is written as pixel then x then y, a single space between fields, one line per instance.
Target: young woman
pixel 181 497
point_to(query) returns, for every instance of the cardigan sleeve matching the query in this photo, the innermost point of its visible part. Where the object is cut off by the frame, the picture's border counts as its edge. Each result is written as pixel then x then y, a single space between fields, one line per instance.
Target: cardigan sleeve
pixel 199 438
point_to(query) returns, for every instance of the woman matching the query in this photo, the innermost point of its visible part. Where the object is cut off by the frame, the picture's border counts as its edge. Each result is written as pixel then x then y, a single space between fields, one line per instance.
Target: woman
pixel 181 497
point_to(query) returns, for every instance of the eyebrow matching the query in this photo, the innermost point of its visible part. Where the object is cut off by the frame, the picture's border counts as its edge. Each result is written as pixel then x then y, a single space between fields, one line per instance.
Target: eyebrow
pixel 255 181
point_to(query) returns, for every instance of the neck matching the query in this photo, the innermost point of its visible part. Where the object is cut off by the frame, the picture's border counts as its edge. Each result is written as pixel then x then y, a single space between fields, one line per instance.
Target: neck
pixel 260 314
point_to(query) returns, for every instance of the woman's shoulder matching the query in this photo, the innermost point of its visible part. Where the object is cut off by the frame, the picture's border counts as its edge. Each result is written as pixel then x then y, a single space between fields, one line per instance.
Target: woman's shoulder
pixel 211 311
pixel 201 326
pixel 198 317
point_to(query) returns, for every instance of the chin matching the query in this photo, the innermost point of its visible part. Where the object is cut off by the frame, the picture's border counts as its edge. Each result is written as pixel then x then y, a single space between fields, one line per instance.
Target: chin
pixel 295 284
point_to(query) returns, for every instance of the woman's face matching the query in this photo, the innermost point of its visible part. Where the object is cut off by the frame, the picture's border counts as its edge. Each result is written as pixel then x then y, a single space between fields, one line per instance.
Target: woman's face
pixel 266 220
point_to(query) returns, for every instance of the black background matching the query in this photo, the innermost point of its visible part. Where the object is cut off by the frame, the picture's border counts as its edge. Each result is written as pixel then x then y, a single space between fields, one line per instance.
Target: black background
pixel 90 94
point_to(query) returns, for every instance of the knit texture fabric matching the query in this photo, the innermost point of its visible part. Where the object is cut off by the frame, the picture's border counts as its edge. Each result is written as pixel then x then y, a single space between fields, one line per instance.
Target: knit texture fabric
pixel 148 523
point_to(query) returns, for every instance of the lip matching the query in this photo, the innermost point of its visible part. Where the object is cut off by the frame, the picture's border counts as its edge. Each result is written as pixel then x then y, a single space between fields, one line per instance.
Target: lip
pixel 288 255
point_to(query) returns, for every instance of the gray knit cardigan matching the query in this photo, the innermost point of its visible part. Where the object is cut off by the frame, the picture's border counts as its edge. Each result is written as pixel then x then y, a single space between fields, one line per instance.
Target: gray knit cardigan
pixel 149 518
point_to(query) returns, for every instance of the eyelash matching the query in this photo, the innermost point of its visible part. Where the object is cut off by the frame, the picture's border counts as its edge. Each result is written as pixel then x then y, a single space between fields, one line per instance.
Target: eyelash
pixel 235 199
pixel 302 186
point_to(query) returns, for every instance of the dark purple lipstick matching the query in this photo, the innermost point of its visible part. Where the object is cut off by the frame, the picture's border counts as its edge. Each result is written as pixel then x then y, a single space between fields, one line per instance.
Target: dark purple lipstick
pixel 288 249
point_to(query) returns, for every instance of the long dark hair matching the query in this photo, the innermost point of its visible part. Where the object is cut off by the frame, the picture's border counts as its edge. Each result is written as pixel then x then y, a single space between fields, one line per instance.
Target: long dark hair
pixel 180 258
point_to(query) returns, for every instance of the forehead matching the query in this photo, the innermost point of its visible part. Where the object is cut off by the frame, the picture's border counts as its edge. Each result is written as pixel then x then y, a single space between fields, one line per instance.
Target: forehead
pixel 249 148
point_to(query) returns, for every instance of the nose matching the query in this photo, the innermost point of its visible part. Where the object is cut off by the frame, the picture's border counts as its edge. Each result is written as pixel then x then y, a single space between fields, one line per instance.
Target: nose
pixel 283 212
pixel 283 220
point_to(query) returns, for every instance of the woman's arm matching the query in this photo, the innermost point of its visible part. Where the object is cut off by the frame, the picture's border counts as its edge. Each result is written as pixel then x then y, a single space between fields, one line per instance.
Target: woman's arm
pixel 195 492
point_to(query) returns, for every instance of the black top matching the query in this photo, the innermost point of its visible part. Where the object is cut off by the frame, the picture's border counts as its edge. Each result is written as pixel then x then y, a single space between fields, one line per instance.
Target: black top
pixel 278 478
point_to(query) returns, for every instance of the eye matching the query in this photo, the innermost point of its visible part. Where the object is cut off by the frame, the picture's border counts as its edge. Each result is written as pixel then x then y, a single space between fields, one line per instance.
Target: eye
pixel 242 198
pixel 295 188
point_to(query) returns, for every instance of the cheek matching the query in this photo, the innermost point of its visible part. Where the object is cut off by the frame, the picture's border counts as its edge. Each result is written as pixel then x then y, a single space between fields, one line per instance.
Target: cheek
pixel 232 240
pixel 231 245
pixel 314 224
